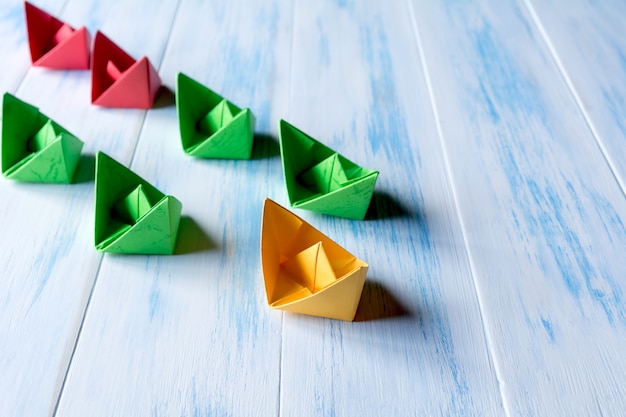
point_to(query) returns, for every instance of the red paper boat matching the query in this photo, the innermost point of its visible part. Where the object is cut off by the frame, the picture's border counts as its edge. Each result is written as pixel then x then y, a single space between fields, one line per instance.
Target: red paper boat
pixel 117 80
pixel 55 44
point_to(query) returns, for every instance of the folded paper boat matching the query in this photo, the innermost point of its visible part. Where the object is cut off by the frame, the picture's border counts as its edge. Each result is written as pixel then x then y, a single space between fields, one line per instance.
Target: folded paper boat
pixel 34 147
pixel 210 126
pixel 55 44
pixel 132 216
pixel 304 271
pixel 117 80
pixel 319 179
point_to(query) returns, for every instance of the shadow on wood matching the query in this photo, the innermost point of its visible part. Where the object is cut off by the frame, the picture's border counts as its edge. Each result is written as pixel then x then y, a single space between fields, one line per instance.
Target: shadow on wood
pixel 86 169
pixel 165 98
pixel 265 146
pixel 191 238
pixel 378 303
pixel 384 206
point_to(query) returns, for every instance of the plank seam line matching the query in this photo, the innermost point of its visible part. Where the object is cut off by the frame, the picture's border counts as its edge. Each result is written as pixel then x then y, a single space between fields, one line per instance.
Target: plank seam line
pixel 575 95
pixel 145 114
pixel 21 81
pixel 78 334
pixel 86 311
pixel 282 319
pixel 91 290
pixel 450 178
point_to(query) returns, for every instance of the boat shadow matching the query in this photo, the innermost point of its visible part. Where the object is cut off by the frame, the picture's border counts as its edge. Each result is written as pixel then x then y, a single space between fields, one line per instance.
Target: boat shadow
pixel 378 303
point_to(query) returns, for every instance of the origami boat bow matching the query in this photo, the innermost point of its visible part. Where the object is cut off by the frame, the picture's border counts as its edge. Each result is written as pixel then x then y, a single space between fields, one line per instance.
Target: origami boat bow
pixel 55 44
pixel 319 179
pixel 117 80
pixel 305 271
pixel 132 216
pixel 34 147
pixel 211 126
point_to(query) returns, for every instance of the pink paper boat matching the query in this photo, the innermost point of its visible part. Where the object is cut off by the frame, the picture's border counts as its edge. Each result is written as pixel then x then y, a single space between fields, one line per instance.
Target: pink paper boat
pixel 117 80
pixel 55 44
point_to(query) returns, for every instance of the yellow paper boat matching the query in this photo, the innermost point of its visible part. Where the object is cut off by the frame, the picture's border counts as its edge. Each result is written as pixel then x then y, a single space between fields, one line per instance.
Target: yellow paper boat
pixel 304 271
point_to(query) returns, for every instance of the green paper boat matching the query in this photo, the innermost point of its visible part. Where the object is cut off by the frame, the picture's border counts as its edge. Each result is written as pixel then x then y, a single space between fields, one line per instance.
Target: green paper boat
pixel 35 148
pixel 131 215
pixel 210 126
pixel 319 179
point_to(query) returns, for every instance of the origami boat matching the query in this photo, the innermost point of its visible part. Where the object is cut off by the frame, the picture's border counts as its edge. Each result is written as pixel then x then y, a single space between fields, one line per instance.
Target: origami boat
pixel 131 215
pixel 210 126
pixel 118 80
pixel 55 44
pixel 34 147
pixel 319 179
pixel 304 271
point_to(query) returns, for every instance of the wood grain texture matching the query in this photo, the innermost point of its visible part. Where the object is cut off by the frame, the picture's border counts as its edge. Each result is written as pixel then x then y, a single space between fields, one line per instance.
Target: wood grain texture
pixel 540 208
pixel 192 334
pixel 417 346
pixel 49 263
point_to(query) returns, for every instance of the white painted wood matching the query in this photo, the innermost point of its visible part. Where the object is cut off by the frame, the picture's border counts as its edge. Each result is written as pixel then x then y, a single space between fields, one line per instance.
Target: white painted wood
pixel 191 334
pixel 587 40
pixel 417 347
pixel 541 210
pixel 496 283
pixel 48 259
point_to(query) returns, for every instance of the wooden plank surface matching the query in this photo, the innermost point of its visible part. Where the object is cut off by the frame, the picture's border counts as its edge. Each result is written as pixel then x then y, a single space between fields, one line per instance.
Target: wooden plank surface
pixel 540 208
pixel 191 334
pixel 419 329
pixel 586 39
pixel 495 238
pixel 49 263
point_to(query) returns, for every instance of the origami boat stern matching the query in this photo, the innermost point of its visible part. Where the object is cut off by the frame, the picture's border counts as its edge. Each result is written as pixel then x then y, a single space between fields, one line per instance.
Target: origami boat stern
pixel 319 179
pixel 211 126
pixel 132 216
pixel 306 272
pixel 55 44
pixel 34 147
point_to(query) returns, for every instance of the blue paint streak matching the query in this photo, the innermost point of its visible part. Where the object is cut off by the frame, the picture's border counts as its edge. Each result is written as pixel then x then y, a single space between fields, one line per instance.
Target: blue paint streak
pixel 251 72
pixel 14 17
pixel 505 87
pixel 242 305
pixel 617 106
pixel 502 80
pixel 209 409
pixel 547 325
pixel 386 122
pixel 58 247
pixel 556 230
pixel 616 103
pixel 155 299
pixel 388 135
pixel 571 257
pixel 39 260
pixel 324 49
pixel 612 301
pixel 493 113
pixel 194 399
pixel 622 58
